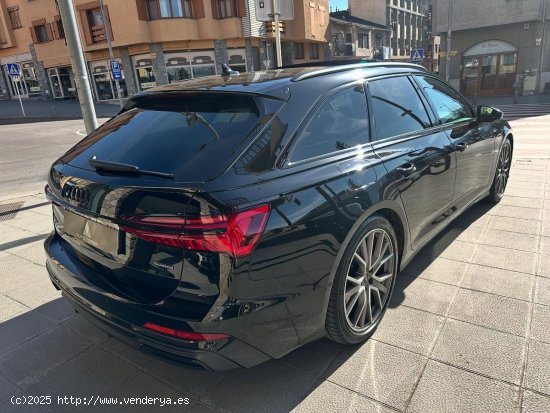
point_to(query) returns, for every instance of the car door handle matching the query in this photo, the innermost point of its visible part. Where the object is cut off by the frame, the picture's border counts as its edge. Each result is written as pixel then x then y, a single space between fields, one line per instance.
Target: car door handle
pixel 406 169
pixel 461 146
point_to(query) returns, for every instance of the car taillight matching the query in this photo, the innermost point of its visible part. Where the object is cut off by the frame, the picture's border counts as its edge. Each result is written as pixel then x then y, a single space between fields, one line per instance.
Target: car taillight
pixel 185 335
pixel 235 234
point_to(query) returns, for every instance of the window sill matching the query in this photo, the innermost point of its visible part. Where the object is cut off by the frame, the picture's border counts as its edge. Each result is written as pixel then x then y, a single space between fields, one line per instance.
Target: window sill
pixel 171 18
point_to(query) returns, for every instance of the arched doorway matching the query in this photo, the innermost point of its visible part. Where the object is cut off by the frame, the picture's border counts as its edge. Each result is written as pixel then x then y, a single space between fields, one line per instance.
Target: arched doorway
pixel 489 69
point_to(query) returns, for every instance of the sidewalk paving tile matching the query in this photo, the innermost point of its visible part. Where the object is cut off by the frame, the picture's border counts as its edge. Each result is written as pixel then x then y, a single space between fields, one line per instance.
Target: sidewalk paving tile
pixel 443 388
pixel 505 258
pixel 142 385
pixel 329 397
pixel 491 353
pixel 410 329
pixel 497 281
pixel 29 362
pixel 9 308
pixel 524 226
pixel 426 295
pixel 273 378
pixel 535 403
pixel 439 269
pixel 492 311
pixel 542 291
pixel 515 212
pixel 16 272
pixel 511 240
pixel 540 325
pixel 537 375
pixel 21 328
pixel 379 371
pixel 93 372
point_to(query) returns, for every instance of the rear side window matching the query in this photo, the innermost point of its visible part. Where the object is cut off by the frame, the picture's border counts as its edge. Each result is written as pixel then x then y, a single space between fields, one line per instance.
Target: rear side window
pixel 340 122
pixel 448 104
pixel 397 108
pixel 192 136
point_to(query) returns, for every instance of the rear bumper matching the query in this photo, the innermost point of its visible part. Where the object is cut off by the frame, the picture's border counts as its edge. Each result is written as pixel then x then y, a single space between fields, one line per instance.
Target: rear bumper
pixel 124 320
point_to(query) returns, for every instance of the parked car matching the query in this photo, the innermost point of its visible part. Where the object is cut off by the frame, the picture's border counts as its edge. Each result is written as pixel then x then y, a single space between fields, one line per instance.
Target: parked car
pixel 225 221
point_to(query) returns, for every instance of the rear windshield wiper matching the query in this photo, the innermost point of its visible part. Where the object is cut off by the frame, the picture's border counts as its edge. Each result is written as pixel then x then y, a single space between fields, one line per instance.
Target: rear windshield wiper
pixel 124 168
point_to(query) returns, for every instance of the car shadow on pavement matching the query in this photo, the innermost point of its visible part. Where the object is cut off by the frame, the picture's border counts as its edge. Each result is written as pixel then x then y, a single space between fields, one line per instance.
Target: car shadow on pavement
pixel 464 228
pixel 50 350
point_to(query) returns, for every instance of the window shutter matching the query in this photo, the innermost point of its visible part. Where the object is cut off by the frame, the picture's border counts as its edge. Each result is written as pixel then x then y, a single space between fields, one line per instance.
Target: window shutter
pixel 49 31
pixel 55 28
pixel 141 9
pixel 241 8
pixel 85 24
pixel 33 35
pixel 198 9
pixel 215 14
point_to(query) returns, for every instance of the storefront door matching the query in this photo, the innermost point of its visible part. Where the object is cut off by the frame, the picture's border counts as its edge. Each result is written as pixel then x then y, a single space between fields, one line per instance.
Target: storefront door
pixel 492 73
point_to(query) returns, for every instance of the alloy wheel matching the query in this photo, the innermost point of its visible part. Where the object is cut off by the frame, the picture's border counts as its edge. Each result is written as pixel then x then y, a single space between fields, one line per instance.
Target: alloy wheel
pixel 503 168
pixel 369 280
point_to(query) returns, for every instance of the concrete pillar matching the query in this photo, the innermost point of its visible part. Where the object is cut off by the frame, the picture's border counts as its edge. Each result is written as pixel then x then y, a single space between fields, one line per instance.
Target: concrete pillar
pixel 4 88
pixel 221 55
pixel 159 64
pixel 45 90
pixel 129 72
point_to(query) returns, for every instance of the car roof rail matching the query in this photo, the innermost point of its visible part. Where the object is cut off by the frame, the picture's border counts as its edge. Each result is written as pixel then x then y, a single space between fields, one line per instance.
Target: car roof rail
pixel 325 63
pixel 343 68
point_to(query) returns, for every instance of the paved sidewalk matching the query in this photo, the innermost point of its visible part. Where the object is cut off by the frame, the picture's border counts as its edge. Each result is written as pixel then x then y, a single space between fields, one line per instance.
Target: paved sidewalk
pixel 40 110
pixel 467 329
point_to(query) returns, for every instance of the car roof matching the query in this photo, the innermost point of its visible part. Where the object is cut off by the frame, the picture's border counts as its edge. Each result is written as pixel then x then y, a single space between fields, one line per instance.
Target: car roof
pixel 276 82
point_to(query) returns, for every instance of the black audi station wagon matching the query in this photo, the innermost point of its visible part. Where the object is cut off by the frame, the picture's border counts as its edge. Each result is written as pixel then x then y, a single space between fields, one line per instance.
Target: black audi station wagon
pixel 225 221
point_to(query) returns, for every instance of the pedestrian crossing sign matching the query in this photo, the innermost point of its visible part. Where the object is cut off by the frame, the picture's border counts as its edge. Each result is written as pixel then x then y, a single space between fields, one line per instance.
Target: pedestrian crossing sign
pixel 13 69
pixel 417 55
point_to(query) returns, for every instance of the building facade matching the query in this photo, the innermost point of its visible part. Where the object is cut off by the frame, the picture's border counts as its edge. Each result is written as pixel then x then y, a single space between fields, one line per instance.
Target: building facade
pixel 498 48
pixel 155 41
pixel 405 19
pixel 353 36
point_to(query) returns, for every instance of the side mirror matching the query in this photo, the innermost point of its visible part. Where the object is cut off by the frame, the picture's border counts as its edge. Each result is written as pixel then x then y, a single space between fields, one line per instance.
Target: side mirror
pixel 488 114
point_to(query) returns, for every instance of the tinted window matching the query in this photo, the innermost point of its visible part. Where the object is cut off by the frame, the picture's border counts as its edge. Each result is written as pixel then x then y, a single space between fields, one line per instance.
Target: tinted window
pixel 397 107
pixel 449 105
pixel 193 136
pixel 340 122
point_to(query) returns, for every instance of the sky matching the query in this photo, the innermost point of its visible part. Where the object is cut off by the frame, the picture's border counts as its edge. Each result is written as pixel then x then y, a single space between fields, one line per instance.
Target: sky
pixel 341 4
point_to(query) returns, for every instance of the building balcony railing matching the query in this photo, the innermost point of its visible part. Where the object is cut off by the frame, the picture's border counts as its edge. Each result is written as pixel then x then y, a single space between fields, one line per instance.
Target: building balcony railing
pixel 98 34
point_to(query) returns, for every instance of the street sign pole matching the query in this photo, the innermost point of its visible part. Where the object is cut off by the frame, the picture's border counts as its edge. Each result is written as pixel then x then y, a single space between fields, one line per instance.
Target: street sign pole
pixel 20 101
pixel 15 74
pixel 108 38
pixel 277 14
pixel 78 63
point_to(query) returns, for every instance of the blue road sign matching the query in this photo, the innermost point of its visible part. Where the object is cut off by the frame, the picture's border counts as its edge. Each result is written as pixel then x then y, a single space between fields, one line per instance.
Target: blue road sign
pixel 13 69
pixel 417 55
pixel 115 68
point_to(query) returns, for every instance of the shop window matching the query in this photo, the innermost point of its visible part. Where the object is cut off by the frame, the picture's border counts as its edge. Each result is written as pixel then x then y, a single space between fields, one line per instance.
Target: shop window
pixel 15 21
pixel 162 9
pixel 299 51
pixel 314 51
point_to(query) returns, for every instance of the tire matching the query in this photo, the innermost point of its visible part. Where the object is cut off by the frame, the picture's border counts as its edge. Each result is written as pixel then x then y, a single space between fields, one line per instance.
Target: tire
pixel 350 322
pixel 502 173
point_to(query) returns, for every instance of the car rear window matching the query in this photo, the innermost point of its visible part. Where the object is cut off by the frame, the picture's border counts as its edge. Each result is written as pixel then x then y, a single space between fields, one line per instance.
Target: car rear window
pixel 192 136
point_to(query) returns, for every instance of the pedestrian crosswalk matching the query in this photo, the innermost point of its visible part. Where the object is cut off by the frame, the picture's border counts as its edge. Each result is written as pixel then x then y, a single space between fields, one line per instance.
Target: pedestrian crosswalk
pixel 520 111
